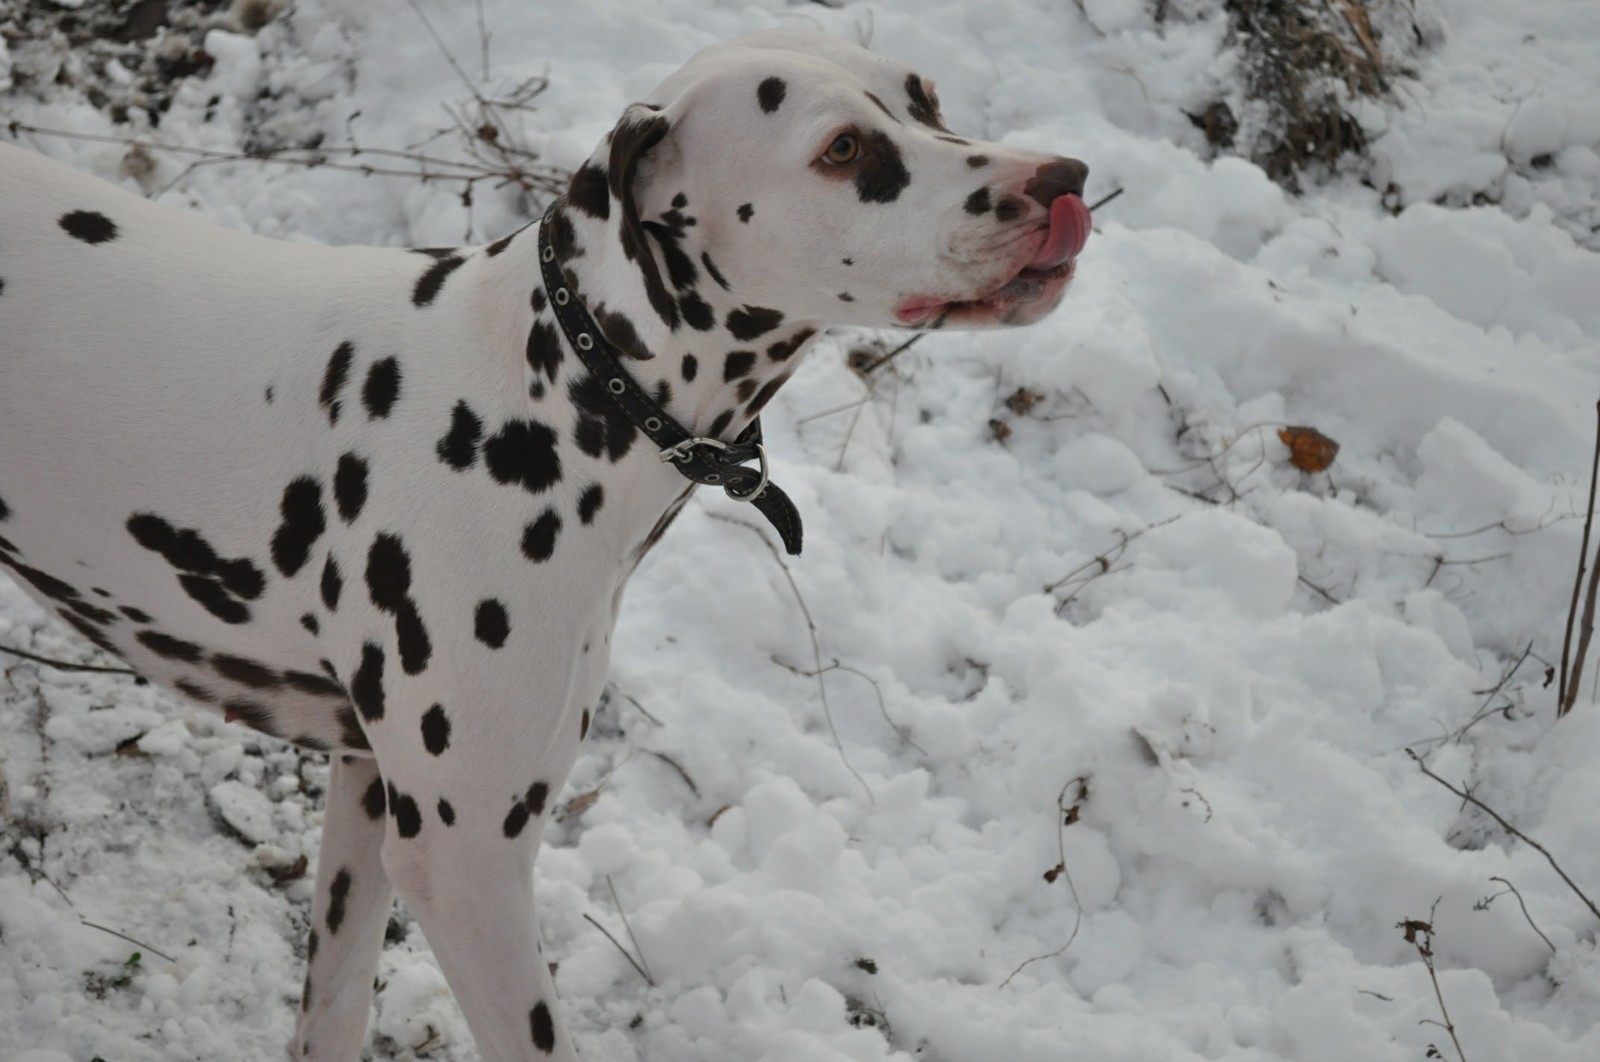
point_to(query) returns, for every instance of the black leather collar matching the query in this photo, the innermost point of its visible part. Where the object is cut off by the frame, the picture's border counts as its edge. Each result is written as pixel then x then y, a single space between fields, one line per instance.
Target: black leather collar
pixel 699 458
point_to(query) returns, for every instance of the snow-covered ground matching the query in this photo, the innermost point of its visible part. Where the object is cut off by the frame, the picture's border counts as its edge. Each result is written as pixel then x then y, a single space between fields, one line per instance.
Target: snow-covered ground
pixel 1068 567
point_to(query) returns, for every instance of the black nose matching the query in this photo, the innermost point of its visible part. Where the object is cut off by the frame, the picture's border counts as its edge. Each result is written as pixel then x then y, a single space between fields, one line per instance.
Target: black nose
pixel 1056 179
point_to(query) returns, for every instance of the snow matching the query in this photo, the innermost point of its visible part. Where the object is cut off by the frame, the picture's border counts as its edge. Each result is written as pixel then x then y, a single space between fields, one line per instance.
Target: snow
pixel 1128 600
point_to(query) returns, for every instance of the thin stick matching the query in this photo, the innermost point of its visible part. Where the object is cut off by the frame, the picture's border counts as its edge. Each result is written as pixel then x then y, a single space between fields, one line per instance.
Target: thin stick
pixel 1512 830
pixel 883 708
pixel 1564 700
pixel 1513 890
pixel 1104 200
pixel 62 665
pixel 816 646
pixel 124 936
pixel 1419 935
pixel 1061 846
pixel 590 919
pixel 451 59
pixel 629 929
pixel 887 358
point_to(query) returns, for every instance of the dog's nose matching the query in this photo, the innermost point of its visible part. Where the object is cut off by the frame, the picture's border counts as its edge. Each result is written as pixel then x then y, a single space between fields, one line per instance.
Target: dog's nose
pixel 1056 178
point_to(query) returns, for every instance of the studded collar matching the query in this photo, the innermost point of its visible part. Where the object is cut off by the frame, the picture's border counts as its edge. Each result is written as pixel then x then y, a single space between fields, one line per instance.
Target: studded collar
pixel 698 458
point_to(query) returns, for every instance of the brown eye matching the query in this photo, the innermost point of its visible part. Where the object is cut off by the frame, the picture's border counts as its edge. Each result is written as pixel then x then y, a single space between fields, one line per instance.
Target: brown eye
pixel 843 150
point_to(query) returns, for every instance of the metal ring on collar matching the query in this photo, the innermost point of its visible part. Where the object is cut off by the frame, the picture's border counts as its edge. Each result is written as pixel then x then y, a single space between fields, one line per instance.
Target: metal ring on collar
pixel 585 342
pixel 652 424
pixel 615 384
pixel 562 298
pixel 548 254
pixel 753 494
pixel 680 451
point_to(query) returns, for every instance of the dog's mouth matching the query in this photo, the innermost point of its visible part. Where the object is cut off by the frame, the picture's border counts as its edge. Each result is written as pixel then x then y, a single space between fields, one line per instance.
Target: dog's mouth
pixel 1025 295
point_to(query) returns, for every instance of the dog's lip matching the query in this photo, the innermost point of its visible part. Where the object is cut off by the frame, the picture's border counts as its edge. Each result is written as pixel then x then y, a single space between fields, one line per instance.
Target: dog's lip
pixel 1044 273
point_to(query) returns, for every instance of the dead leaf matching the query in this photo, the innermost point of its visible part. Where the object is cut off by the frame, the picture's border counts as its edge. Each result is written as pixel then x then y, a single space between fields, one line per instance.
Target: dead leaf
pixel 1309 449
pixel 999 430
pixel 1021 401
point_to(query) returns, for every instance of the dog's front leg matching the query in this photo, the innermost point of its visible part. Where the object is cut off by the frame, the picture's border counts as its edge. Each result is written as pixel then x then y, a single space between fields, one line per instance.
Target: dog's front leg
pixel 348 916
pixel 471 771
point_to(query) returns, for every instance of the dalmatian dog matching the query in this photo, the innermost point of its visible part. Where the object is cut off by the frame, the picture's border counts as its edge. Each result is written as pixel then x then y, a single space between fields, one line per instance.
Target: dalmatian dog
pixel 380 502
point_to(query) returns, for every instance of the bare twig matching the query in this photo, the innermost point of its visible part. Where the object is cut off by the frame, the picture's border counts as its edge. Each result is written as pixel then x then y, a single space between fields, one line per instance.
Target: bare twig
pixel 1103 200
pixel 629 929
pixel 1419 934
pixel 1488 707
pixel 883 709
pixel 124 936
pixel 1064 817
pixel 1567 693
pixel 1512 830
pixel 1483 905
pixel 631 961
pixel 670 762
pixel 887 358
pixel 62 665
pixel 816 646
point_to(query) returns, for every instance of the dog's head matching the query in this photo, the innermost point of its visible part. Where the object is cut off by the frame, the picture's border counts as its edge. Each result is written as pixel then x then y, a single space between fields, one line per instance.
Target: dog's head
pixel 800 172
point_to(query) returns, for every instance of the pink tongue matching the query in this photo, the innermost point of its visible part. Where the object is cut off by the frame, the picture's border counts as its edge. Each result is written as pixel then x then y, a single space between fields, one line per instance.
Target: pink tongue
pixel 1069 231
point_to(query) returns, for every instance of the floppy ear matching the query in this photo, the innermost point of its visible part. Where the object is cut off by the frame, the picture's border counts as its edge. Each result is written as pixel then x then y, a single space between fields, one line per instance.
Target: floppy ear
pixel 641 128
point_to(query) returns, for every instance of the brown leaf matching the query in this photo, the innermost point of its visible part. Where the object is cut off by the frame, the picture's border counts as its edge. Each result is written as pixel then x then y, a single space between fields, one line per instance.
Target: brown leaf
pixel 1022 401
pixel 292 872
pixel 1053 873
pixel 1072 815
pixel 999 430
pixel 578 805
pixel 1309 449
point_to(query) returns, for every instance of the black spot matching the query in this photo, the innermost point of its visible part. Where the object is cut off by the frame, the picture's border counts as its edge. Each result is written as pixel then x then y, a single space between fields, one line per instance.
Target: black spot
pixel 588 191
pixel 745 212
pixel 165 645
pixel 311 946
pixel 663 393
pixel 459 446
pixel 680 201
pixel 5 510
pixel 954 140
pixel 187 550
pixel 350 733
pixel 338 893
pixel 923 108
pixel 539 537
pixel 746 389
pixel 366 687
pixel 619 331
pixel 563 237
pixel 751 321
pixel 680 267
pixel 490 624
pixel 269 394
pixel 538 792
pixel 738 363
pixel 309 622
pixel 138 615
pixel 382 387
pixel 499 245
pixel 785 349
pixel 525 452
pixel 435 730
pixel 214 598
pixel 372 800
pixel 303 523
pixel 332 583
pixel 388 572
pixel 881 174
pixel 691 366
pixel 194 691
pixel 1010 208
pixel 845 296
pixel 977 161
pixel 583 726
pixel 447 814
pixel 589 503
pixel 89 226
pixel 770 93
pixel 765 395
pixel 316 685
pixel 516 820
pixel 245 672
pixel 697 313
pixel 543 1028
pixel 350 486
pixel 720 425
pixel 333 378
pixel 978 202
pixel 407 817
pixel 251 714
pixel 433 252
pixel 415 645
pixel 544 349
pixel 602 426
pixel 538 300
pixel 716 274
pixel 429 283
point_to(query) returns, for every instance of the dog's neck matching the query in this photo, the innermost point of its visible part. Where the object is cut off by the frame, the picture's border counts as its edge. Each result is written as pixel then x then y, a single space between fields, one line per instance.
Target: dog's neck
pixel 692 344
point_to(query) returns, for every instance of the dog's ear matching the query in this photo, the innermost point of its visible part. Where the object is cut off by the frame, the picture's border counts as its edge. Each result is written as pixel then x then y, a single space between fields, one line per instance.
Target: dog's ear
pixel 642 127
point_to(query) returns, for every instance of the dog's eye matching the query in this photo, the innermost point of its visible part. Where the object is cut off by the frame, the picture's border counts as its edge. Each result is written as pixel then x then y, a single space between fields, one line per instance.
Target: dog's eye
pixel 844 149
